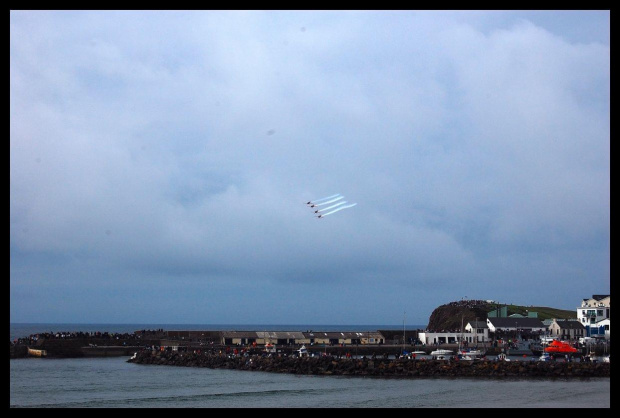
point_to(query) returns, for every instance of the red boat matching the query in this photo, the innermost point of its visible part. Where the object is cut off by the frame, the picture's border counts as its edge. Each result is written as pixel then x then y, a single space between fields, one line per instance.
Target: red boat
pixel 560 347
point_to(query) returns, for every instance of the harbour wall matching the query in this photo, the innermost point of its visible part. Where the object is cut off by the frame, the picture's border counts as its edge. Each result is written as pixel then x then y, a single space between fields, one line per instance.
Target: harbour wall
pixel 328 365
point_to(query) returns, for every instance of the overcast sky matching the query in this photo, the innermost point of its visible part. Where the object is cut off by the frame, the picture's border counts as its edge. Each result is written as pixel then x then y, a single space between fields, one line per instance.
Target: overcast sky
pixel 161 161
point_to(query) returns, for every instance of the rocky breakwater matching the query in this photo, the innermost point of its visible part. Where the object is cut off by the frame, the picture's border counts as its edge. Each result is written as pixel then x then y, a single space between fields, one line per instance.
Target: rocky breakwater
pixel 404 368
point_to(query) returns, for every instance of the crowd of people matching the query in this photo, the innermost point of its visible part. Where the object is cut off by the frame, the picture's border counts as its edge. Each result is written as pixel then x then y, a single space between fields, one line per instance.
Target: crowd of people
pixel 92 335
pixel 469 303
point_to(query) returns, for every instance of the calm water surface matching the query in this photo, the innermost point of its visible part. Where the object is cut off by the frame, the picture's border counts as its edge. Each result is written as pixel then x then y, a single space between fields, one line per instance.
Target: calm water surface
pixel 114 383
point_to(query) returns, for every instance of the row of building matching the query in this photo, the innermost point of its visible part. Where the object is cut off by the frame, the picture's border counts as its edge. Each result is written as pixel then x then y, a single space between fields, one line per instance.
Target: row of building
pixel 593 320
pixel 280 338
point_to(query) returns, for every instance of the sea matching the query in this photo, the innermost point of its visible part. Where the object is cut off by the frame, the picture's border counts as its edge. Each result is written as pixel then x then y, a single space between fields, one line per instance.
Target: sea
pixel 112 382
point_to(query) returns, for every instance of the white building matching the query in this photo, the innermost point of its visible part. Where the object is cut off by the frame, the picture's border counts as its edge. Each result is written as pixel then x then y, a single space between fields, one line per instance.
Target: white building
pixel 603 330
pixel 434 338
pixel 476 332
pixel 594 315
pixel 473 333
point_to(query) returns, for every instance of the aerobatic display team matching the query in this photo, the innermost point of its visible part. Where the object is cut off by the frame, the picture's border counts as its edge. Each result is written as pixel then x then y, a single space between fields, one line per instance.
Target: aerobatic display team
pixel 331 209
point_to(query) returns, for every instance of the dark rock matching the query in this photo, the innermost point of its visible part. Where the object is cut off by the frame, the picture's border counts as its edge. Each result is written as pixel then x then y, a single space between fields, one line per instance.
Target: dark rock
pixel 327 365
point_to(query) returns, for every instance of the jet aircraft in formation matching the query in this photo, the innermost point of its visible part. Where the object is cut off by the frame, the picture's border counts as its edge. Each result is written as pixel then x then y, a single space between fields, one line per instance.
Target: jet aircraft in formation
pixel 330 209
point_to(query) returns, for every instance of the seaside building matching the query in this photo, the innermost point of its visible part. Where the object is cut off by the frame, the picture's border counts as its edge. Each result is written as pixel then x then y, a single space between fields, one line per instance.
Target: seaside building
pixel 594 314
pixel 510 324
pixel 344 337
pixel 502 312
pixel 593 320
pixel 567 329
pixel 441 337
pixel 602 330
pixel 476 332
pixel 278 338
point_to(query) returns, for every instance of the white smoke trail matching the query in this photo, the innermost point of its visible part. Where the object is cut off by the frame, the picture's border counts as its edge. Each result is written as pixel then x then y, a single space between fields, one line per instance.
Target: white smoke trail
pixel 323 198
pixel 329 201
pixel 340 208
pixel 332 206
